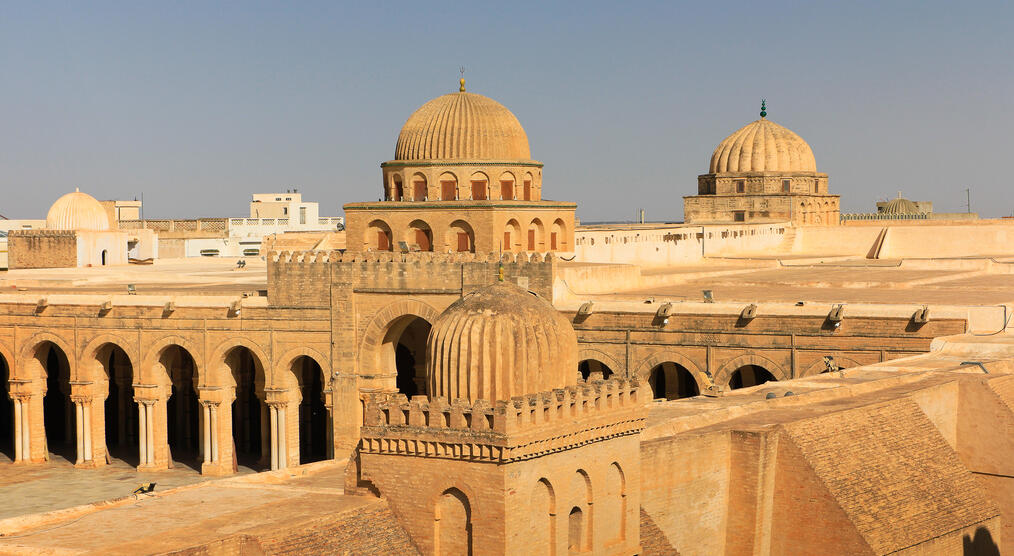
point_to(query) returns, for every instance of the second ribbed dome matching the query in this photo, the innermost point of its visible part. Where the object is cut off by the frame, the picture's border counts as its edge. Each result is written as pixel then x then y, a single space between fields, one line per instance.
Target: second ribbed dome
pixel 462 126
pixel 497 342
pixel 763 146
pixel 77 211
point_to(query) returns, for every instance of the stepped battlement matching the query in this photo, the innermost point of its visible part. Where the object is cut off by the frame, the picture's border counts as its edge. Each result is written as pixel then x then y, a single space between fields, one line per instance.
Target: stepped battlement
pixel 510 430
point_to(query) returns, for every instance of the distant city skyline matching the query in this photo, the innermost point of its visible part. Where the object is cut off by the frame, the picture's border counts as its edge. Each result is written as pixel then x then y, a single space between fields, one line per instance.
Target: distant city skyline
pixel 196 106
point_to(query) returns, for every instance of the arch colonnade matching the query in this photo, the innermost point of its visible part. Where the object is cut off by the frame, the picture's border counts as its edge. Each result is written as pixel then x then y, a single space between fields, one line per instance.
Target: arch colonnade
pixel 170 407
pixel 672 375
pixel 516 234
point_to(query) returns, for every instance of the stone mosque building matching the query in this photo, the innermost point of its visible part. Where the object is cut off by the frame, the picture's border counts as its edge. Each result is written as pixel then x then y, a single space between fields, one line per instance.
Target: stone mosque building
pixel 476 375
pixel 763 172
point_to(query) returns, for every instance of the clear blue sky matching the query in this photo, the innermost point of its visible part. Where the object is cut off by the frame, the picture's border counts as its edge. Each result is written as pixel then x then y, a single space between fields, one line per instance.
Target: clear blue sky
pixel 199 104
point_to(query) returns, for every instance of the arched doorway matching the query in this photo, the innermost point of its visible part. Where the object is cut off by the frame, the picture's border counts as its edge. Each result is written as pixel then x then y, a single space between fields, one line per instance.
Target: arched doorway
pixel 405 350
pixel 750 375
pixel 183 433
pixel 593 369
pixel 6 413
pixel 313 418
pixel 672 381
pixel 249 412
pixel 58 410
pixel 104 254
pixel 120 407
pixel 453 524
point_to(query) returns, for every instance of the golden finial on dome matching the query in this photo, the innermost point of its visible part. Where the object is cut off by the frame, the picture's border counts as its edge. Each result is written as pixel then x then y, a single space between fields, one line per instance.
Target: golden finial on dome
pixel 461 87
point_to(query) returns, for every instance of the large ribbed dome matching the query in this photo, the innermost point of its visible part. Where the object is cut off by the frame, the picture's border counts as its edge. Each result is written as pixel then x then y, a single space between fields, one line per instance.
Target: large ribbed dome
pixel 462 126
pixel 77 211
pixel 497 342
pixel 763 146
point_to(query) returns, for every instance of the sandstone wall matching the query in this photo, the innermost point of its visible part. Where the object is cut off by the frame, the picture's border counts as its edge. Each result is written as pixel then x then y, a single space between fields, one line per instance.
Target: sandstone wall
pixel 42 249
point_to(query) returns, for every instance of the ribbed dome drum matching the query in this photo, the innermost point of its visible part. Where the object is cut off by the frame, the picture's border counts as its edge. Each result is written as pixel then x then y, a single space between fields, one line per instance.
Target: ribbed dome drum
pixel 77 211
pixel 498 342
pixel 462 126
pixel 763 146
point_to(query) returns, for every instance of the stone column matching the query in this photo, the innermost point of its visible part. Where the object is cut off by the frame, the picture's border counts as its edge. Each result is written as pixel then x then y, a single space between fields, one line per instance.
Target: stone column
pixel 277 400
pixel 151 428
pixel 329 433
pixel 22 428
pixel 273 409
pixel 81 396
pixel 212 428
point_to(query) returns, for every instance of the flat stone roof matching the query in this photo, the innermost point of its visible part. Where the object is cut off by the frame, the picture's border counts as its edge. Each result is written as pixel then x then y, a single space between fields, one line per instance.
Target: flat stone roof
pixel 190 276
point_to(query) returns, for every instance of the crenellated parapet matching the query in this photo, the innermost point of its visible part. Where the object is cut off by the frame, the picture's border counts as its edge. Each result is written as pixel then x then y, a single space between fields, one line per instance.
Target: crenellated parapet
pixel 42 233
pixel 518 429
pixel 302 278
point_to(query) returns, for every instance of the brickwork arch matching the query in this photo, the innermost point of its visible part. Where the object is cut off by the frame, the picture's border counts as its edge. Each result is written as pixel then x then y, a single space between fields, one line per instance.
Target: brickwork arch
pixel 817 366
pixel 669 356
pixel 146 372
pixel 218 370
pixel 283 376
pixel 30 345
pixel 91 367
pixel 724 373
pixel 614 364
pixel 8 355
pixel 371 345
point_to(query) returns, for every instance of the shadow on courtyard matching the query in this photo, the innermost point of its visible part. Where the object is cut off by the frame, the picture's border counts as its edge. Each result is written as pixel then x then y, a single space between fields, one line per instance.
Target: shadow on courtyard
pixel 980 545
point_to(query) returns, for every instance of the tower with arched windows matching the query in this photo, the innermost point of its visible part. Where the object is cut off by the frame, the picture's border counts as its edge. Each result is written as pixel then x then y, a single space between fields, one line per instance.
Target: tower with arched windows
pixel 462 179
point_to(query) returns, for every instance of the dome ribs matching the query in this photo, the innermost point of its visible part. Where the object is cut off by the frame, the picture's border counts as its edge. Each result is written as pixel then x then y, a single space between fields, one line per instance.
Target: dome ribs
pixel 462 126
pixel 762 146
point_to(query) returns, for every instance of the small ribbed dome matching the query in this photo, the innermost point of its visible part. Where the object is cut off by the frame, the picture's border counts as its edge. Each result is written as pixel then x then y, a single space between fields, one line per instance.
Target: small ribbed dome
pixel 77 211
pixel 900 206
pixel 497 342
pixel 462 126
pixel 763 146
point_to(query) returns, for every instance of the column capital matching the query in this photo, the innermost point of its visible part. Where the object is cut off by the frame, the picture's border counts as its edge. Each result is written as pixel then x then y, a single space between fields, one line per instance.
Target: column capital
pixel 147 393
pixel 210 403
pixel 81 398
pixel 276 396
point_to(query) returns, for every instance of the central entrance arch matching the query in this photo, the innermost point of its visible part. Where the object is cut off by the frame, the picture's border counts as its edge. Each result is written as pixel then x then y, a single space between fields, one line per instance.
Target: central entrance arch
pixel 404 350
